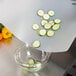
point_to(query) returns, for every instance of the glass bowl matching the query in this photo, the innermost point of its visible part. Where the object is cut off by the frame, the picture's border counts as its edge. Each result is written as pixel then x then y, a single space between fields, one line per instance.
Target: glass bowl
pixel 31 59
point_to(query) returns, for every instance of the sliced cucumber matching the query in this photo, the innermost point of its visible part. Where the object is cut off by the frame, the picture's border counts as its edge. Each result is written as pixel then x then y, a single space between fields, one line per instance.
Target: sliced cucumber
pixel 46 16
pixel 56 27
pixel 25 65
pixel 31 61
pixel 38 65
pixel 36 44
pixel 51 13
pixel 50 33
pixel 42 32
pixel 43 22
pixel 57 21
pixel 35 26
pixel 47 26
pixel 40 12
pixel 28 65
pixel 31 65
pixel 51 22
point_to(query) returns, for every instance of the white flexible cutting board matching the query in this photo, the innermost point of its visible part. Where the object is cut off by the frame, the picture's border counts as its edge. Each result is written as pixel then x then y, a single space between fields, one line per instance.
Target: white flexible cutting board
pixel 19 15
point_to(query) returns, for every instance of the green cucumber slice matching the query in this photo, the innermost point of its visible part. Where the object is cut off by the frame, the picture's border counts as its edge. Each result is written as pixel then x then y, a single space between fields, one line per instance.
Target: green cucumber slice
pixel 51 22
pixel 40 12
pixel 38 65
pixel 28 65
pixel 36 44
pixel 50 33
pixel 56 27
pixel 31 61
pixel 47 26
pixel 42 32
pixel 25 65
pixel 46 16
pixel 31 65
pixel 35 26
pixel 51 13
pixel 57 21
pixel 43 22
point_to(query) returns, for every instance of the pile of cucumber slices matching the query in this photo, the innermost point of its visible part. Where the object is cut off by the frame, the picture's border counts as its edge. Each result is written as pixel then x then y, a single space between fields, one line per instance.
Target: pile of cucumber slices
pixel 47 27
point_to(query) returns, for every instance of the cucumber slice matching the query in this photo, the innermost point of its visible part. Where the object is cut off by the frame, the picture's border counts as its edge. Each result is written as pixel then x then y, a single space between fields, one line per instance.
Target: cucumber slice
pixel 28 65
pixel 46 16
pixel 31 61
pixel 47 26
pixel 35 26
pixel 57 21
pixel 50 33
pixel 40 12
pixel 38 65
pixel 51 13
pixel 36 44
pixel 43 22
pixel 56 27
pixel 25 65
pixel 31 65
pixel 42 32
pixel 51 22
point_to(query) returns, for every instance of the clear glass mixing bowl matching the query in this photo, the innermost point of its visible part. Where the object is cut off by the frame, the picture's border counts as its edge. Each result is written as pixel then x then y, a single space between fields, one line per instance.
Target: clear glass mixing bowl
pixel 31 59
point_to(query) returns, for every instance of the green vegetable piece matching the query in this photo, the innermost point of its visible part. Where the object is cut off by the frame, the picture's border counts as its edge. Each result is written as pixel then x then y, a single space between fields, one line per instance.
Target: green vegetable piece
pixel 1 26
pixel 40 13
pixel 73 3
pixel 43 22
pixel 28 65
pixel 57 21
pixel 35 26
pixel 50 33
pixel 46 16
pixel 42 32
pixel 36 44
pixel 56 27
pixel 51 22
pixel 32 66
pixel 31 61
pixel 51 13
pixel 47 26
pixel 25 65
pixel 38 65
